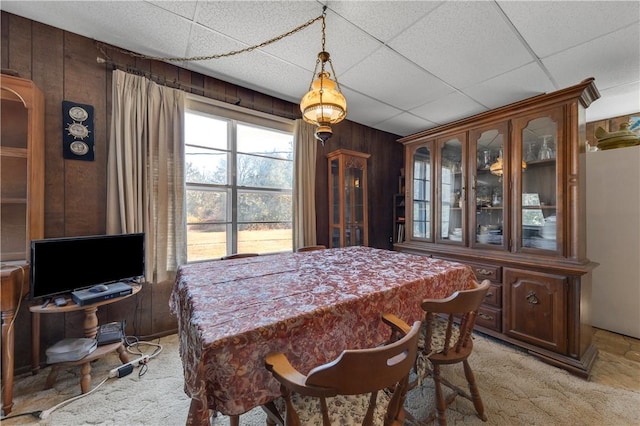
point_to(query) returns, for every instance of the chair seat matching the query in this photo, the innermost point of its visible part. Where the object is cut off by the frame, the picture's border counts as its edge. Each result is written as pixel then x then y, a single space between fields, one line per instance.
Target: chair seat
pixel 343 409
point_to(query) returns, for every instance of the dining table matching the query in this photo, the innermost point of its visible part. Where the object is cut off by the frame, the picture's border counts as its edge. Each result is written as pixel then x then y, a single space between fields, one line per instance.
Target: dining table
pixel 310 305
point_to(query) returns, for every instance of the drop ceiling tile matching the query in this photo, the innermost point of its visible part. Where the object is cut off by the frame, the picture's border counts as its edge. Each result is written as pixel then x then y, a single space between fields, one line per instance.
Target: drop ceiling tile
pixel 387 75
pixel 522 83
pixel 449 108
pixel 365 110
pixel 253 22
pixel 254 70
pixel 186 9
pixel 405 124
pixel 120 26
pixel 608 59
pixel 552 26
pixel 475 46
pixel 396 15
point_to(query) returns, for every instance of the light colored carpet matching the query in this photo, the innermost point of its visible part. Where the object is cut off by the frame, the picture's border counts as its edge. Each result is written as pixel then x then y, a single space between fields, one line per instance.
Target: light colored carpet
pixel 517 389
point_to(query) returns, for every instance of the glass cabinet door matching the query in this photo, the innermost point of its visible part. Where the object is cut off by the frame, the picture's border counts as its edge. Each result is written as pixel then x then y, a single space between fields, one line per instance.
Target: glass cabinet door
pixel 451 190
pixel 490 186
pixel 421 193
pixel 539 202
pixel 347 198
pixel 354 205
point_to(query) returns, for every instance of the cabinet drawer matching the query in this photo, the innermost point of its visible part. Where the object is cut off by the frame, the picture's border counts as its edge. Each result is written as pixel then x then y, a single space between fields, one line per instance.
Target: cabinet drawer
pixel 490 318
pixel 487 272
pixel 494 296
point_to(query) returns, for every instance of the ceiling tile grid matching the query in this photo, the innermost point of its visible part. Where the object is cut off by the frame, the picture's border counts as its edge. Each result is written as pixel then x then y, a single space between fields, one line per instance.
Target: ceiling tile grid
pixel 404 66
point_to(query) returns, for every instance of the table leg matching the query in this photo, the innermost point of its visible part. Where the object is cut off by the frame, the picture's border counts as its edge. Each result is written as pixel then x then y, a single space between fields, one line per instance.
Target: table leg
pixel 85 381
pixel 90 322
pixel 122 354
pixel 35 342
pixel 234 420
pixel 7 361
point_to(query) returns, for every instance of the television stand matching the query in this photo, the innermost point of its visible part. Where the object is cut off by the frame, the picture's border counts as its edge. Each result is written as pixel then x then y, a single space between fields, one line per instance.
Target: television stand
pixel 90 331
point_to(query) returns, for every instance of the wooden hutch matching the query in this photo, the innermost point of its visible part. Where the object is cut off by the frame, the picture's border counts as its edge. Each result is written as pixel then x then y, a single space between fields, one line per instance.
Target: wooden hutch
pixel 504 191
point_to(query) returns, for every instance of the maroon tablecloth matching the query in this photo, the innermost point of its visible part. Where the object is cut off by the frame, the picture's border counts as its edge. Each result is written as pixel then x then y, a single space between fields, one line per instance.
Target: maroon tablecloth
pixel 310 305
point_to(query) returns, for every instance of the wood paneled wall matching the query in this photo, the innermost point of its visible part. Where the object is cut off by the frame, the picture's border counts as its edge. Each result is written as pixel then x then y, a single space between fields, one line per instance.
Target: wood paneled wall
pixel 64 66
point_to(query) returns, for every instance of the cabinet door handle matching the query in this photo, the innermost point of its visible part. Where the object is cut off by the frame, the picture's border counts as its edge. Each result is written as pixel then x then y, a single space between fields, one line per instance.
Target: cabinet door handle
pixel 489 294
pixel 532 298
pixel 485 316
pixel 484 272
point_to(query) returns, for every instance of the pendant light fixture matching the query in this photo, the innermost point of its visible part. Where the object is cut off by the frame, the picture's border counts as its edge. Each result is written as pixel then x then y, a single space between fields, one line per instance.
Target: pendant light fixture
pixel 324 104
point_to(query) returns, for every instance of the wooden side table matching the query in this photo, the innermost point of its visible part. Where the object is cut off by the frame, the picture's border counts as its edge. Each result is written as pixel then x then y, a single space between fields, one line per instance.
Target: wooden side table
pixel 90 331
pixel 13 287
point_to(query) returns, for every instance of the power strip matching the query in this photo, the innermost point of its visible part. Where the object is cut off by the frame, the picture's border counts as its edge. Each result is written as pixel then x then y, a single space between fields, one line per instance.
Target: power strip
pixel 126 369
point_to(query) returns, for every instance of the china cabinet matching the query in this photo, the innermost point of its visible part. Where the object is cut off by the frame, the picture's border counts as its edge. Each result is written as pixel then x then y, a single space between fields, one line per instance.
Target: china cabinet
pixel 21 204
pixel 504 192
pixel 348 198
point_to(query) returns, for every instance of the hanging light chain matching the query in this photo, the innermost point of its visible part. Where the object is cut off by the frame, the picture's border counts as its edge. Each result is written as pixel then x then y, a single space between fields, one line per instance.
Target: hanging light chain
pixel 101 46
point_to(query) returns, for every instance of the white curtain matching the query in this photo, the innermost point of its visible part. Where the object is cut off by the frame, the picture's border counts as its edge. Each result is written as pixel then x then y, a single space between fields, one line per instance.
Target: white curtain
pixel 145 179
pixel 304 185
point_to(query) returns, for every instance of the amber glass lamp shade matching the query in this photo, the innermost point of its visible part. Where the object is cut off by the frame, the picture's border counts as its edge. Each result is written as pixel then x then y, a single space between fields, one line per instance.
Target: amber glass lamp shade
pixel 323 104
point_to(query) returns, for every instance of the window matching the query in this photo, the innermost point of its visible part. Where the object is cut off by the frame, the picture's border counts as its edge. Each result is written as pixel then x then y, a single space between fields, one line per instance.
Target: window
pixel 239 178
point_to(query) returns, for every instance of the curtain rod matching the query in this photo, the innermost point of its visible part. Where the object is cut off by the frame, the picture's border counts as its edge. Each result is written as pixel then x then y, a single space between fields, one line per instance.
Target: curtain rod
pixel 175 84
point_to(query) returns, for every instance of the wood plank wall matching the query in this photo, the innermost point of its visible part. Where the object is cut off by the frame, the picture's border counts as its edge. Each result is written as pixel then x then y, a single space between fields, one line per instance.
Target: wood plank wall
pixel 64 66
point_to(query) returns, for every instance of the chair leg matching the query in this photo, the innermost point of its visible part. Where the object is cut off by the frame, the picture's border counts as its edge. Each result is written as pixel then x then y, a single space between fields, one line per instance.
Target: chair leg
pixel 441 405
pixel 473 389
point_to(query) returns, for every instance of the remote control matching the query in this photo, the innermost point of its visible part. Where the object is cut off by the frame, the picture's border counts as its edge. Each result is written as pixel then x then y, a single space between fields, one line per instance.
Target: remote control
pixel 60 301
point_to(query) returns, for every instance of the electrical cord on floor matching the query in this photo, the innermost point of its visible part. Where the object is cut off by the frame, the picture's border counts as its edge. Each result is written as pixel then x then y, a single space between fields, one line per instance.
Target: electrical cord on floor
pixel 124 370
pixel 44 414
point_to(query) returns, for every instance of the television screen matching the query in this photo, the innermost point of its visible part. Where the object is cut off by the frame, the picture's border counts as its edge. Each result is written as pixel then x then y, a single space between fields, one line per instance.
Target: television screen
pixel 63 265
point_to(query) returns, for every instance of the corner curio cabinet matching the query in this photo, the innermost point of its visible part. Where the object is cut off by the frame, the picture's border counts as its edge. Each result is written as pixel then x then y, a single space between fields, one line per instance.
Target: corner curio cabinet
pixel 348 198
pixel 503 191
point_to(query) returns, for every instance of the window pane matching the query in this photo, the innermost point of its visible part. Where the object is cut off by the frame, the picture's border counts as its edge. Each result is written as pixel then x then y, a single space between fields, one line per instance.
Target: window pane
pixel 206 241
pixel 206 206
pixel 205 166
pixel 256 140
pixel 264 172
pixel 264 207
pixel 239 176
pixel 205 131
pixel 265 237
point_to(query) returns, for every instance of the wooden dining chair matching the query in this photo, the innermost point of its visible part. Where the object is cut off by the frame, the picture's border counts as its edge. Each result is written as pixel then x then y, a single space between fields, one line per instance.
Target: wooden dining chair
pixel 311 248
pixel 238 256
pixel 359 386
pixel 447 339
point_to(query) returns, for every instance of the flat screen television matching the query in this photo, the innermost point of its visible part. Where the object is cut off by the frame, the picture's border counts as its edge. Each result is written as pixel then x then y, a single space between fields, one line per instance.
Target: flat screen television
pixel 63 265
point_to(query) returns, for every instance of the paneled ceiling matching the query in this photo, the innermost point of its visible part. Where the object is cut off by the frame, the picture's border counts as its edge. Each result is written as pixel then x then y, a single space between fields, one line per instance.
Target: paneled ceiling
pixel 404 66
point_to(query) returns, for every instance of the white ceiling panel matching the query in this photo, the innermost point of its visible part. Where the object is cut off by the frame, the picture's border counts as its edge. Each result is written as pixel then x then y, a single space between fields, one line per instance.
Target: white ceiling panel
pixel 389 74
pixel 474 47
pixel 449 108
pixel 397 15
pixel 609 59
pixel 403 65
pixel 552 26
pixel 524 82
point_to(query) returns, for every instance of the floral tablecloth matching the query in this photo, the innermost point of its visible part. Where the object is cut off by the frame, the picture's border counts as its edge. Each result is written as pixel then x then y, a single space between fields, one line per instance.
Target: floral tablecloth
pixel 309 305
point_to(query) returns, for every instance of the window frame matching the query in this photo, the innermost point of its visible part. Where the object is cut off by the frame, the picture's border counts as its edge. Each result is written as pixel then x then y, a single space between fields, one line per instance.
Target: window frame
pixel 236 115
